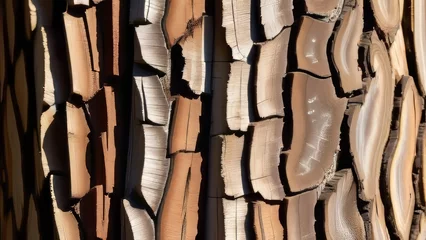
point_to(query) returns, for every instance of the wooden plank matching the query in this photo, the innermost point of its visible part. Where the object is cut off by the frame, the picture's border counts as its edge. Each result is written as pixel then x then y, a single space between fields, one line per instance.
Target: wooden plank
pixel 150 47
pixel 220 78
pixel 214 225
pixel 276 14
pixel 237 223
pixel 237 97
pixel 387 16
pixel 397 55
pixel 267 223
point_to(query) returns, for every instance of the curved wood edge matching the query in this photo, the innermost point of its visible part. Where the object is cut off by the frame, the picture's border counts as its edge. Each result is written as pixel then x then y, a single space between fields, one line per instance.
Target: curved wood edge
pixel 387 16
pixel 136 222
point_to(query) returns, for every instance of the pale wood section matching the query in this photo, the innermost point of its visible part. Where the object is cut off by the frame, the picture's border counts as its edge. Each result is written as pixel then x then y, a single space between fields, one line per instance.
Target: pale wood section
pixel 317 116
pixel 265 151
pixel 21 90
pixel 369 125
pixel 330 10
pixel 149 101
pixel 185 125
pixel 267 223
pixel 311 46
pixel 146 11
pixel 137 223
pixel 107 208
pixel 300 216
pixel 276 14
pixel 387 16
pixel 398 56
pixel 66 224
pixel 108 140
pixel 150 47
pixel 179 216
pixel 342 219
pixel 197 51
pixel 236 219
pixel 92 29
pixel 345 49
pixel 181 17
pixel 78 2
pixel 236 21
pixel 78 140
pixel 271 68
pixel 237 91
pixel 32 222
pixel 418 28
pixel 148 167
pixel 419 166
pixel 84 81
pixel 91 213
pixel 378 224
pixel 220 79
pixel 14 159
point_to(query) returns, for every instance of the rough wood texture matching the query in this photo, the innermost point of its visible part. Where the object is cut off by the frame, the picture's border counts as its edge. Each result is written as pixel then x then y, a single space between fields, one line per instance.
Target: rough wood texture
pixel 329 10
pixel 300 216
pixel 236 218
pixel 150 48
pixel 267 223
pixel 137 223
pixel 237 100
pixel 146 11
pixel 276 14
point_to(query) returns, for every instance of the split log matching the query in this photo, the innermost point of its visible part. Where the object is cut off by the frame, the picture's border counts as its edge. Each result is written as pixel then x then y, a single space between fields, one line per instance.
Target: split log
pixel 300 216
pixel 179 215
pixel 265 151
pixel 336 212
pixel 150 47
pixel 311 46
pixel 317 116
pixel 397 55
pixel 236 219
pixel 197 51
pixel 147 167
pixel 327 10
pixel 92 32
pixel 181 17
pixel 85 82
pixel 78 141
pixel 32 221
pixel 109 140
pixel 267 223
pixel 419 168
pixel 276 14
pixel 369 125
pixel 237 97
pixel 236 21
pixel 399 158
pixel 149 101
pixel 185 125
pixel 227 172
pixel 146 11
pixel 137 223
pixel 271 68
pixel 21 90
pixel 345 49
pixel 91 213
pixel 387 16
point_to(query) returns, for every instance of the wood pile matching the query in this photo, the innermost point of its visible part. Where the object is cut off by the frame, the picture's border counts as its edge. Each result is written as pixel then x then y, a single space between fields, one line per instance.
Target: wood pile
pixel 225 119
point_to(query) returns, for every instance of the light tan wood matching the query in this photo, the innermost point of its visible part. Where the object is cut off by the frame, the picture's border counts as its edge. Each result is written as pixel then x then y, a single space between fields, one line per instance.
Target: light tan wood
pixel 398 56
pixel 108 139
pixel 78 2
pixel 237 100
pixel 267 223
pixel 137 224
pixel 300 216
pixel 236 219
pixel 418 26
pixel 275 15
pixel 378 224
pixel 150 47
pixel 146 11
pixel 387 16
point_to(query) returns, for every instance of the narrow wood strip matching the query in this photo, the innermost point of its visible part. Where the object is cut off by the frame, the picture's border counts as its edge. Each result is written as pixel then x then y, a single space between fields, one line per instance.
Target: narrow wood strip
pixel 398 56
pixel 237 223
pixel 92 212
pixel 267 223
pixel 109 140
pixel 276 14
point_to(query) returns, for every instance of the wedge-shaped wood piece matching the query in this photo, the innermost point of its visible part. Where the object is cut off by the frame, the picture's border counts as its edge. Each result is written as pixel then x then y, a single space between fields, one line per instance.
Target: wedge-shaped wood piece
pixel 399 158
pixel 13 154
pixel 265 151
pixel 236 219
pixel 21 90
pixel 311 46
pixel 146 11
pixel 387 16
pixel 78 2
pixel 367 137
pixel 150 47
pixel 337 212
pixel 185 125
pixel 267 223
pixel 214 223
pixel 330 10
pixel 78 140
pixel 276 14
pixel 271 68
pixel 108 139
pixel 92 33
pixel 227 172
pixel 137 224
pixel 237 91
pixel 179 215
pixel 419 167
pixel 236 21
pixel 32 222
pixel 65 222
pixel 92 213
pixel 181 17
pixel 317 116
pixel 148 167
pixel 220 78
pixel 345 49
pixel 85 82
pixel 300 216
pixel 398 56
pixel 149 101
pixel 197 51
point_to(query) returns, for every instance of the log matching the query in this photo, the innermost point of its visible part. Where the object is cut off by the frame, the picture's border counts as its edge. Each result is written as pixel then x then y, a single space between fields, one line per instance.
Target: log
pixel 326 10
pixel 150 48
pixel 77 131
pixel 185 126
pixel 146 11
pixel 197 51
pixel 236 219
pixel 137 224
pixel 276 15
pixel 367 137
pixel 267 223
pixel 317 115
pixel 387 16
pixel 336 212
pixel 345 49
pixel 300 216
pixel 399 158
pixel 265 151
pixel 236 20
pixel 237 97
pixel 311 46
pixel 271 68
pixel 178 218
pixel 91 213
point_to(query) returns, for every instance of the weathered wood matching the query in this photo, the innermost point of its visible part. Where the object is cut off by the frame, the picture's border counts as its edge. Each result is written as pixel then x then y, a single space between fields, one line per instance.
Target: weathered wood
pixel 236 219
pixel 3 49
pixel 300 216
pixel 214 224
pixel 419 167
pixel 328 10
pixel 267 223
pixel 78 2
pixel 150 47
pixel 377 222
pixel 276 14
pixel 220 80
pixel 237 100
